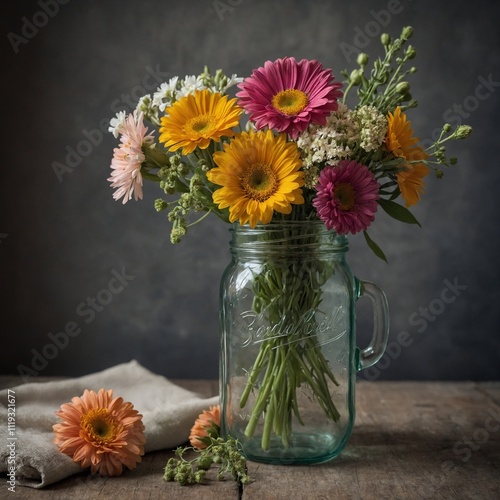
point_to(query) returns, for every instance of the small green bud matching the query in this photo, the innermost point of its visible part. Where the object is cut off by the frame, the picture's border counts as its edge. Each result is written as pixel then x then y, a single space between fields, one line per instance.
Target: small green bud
pixel 463 131
pixel 453 160
pixel 385 39
pixel 413 69
pixel 204 463
pixel 180 478
pixel 362 59
pixel 176 235
pixel 355 77
pixel 407 32
pixel 410 52
pixel 170 470
pixel 182 169
pixel 163 172
pixel 168 188
pixel 446 128
pixel 199 476
pixel 403 87
pixel 175 160
pixel 185 200
pixel 160 205
pixel 439 174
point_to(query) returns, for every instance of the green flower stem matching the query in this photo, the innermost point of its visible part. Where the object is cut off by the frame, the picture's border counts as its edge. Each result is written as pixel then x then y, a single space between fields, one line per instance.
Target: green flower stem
pixel 315 378
pixel 268 421
pixel 287 364
pixel 150 177
pixel 262 397
pixel 199 219
pixel 252 379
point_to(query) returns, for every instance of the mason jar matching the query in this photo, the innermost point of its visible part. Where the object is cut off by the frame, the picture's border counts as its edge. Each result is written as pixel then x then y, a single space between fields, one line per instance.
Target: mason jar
pixel 288 356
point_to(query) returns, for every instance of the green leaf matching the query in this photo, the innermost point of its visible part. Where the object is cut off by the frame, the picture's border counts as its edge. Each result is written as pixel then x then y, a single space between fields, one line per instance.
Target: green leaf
pixel 397 211
pixel 374 247
pixel 395 194
pixel 388 184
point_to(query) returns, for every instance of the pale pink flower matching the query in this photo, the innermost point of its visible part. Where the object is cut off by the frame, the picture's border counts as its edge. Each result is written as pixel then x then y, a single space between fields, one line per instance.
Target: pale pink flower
pixel 128 157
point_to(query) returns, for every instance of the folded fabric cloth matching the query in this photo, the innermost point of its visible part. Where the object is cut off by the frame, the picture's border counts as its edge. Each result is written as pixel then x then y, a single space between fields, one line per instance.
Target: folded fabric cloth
pixel 168 410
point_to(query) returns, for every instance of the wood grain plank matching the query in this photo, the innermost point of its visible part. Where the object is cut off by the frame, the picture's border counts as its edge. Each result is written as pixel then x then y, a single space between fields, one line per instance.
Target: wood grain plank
pixel 411 440
pixel 146 482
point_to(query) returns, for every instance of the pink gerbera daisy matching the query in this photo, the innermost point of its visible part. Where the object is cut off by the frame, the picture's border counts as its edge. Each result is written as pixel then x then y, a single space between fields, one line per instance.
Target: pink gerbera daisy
pixel 286 95
pixel 347 197
pixel 100 431
pixel 128 157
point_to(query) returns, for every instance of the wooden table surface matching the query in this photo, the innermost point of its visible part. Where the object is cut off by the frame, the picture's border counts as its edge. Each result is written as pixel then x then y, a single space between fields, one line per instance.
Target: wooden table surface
pixel 411 440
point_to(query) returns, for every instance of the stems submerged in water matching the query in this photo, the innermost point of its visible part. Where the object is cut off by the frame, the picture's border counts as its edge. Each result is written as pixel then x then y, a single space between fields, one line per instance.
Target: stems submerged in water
pixel 287 293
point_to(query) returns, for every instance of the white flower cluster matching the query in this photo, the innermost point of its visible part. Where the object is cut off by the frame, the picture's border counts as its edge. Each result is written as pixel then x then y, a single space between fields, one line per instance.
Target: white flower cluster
pixel 175 89
pixel 328 143
pixel 372 127
pixel 117 123
pixel 344 131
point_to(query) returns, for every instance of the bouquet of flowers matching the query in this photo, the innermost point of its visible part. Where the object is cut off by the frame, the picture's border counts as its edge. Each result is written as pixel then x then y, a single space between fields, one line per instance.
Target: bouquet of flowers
pixel 303 154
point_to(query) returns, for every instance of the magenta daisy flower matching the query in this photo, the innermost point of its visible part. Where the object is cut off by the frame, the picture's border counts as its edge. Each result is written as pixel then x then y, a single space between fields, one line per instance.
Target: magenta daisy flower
pixel 128 157
pixel 286 95
pixel 347 197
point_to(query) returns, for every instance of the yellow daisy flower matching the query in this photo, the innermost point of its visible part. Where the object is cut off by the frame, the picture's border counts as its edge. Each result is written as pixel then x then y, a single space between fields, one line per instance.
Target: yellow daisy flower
pixel 401 143
pixel 197 119
pixel 260 173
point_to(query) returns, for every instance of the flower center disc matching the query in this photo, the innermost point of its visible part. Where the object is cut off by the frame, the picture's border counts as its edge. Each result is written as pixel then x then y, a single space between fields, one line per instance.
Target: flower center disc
pixel 344 194
pixel 290 102
pixel 99 426
pixel 200 125
pixel 259 182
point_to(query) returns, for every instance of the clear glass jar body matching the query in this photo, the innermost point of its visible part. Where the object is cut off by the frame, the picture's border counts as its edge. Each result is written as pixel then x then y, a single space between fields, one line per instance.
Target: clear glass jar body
pixel 288 354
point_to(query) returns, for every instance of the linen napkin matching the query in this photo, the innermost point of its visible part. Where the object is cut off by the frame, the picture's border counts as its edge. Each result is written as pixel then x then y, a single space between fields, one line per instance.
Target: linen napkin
pixel 169 411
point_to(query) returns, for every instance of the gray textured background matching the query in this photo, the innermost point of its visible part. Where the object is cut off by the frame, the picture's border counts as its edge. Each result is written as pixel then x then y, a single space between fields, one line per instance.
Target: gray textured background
pixel 61 241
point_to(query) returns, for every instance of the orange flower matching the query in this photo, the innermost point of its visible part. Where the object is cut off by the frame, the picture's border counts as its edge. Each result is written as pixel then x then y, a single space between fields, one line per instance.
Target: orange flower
pixel 206 425
pixel 401 143
pixel 100 432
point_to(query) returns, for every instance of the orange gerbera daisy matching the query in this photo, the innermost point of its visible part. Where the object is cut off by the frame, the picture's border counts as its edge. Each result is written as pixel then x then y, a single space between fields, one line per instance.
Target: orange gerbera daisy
pixel 100 431
pixel 206 425
pixel 401 142
pixel 197 119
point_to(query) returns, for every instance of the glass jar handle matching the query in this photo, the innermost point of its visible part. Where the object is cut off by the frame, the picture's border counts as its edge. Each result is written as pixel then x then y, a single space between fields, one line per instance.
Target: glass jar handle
pixel 370 355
